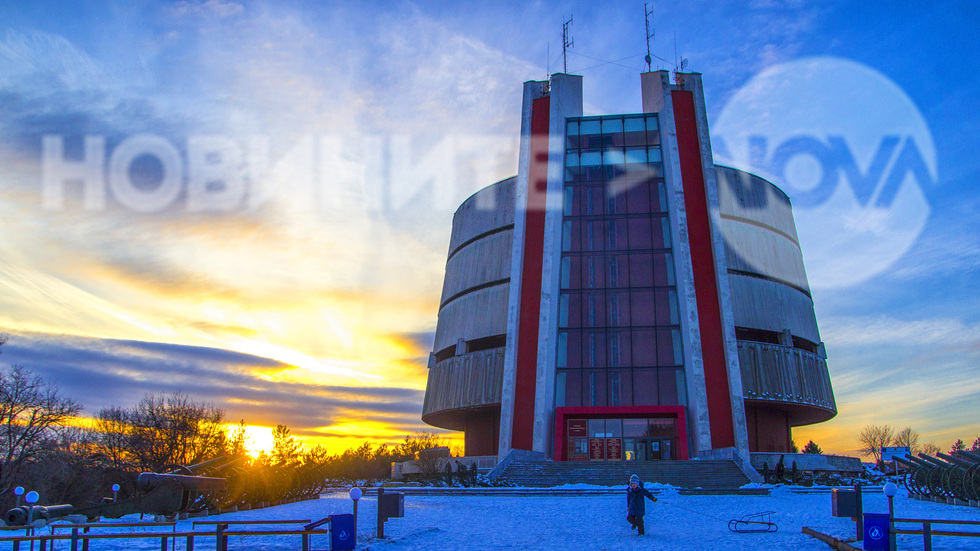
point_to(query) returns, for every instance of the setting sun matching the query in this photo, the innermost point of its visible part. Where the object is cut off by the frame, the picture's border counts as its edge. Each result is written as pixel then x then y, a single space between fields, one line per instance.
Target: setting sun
pixel 258 439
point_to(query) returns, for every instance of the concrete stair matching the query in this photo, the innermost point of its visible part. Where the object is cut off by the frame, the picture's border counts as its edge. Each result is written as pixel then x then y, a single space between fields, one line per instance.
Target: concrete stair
pixel 708 475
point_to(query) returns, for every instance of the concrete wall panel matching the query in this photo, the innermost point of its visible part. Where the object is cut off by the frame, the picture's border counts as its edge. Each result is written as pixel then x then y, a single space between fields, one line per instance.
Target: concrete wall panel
pixel 744 195
pixel 489 209
pixel 476 315
pixel 482 261
pixel 772 306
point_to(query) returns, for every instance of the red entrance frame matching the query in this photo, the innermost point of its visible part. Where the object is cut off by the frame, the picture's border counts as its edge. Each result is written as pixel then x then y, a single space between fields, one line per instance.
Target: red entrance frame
pixel 620 412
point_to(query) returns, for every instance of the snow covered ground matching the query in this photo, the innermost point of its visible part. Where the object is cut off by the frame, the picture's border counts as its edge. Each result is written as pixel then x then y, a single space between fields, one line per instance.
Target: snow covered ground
pixel 587 522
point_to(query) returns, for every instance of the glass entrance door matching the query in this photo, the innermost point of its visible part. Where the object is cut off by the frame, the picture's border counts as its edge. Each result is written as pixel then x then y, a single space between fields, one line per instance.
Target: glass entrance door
pixel 619 439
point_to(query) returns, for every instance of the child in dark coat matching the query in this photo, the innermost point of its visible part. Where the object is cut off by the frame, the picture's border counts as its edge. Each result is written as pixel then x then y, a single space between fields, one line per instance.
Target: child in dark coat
pixel 636 507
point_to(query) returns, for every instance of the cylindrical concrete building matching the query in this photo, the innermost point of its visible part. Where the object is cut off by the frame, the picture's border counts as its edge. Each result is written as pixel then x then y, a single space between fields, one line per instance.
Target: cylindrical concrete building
pixel 622 298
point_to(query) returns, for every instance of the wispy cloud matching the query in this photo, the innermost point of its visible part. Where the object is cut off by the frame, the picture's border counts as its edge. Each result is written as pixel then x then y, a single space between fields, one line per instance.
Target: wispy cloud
pixel 279 314
pixel 103 372
pixel 885 330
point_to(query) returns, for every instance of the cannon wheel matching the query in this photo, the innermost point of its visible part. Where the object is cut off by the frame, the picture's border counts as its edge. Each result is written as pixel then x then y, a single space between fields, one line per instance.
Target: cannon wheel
pixel 933 481
pixel 953 481
pixel 971 480
pixel 909 481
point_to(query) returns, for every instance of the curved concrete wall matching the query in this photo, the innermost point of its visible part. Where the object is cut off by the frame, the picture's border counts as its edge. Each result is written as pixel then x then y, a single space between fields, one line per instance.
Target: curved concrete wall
pixel 475 295
pixel 479 314
pixel 770 292
pixel 765 264
pixel 488 209
pixel 747 196
pixel 768 305
pixel 476 288
pixel 482 261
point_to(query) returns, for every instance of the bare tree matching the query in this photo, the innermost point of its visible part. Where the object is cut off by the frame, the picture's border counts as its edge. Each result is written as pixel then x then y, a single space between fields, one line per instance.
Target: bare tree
pixel 415 443
pixel 171 430
pixel 112 436
pixel 30 409
pixel 907 438
pixel 873 437
pixel 930 448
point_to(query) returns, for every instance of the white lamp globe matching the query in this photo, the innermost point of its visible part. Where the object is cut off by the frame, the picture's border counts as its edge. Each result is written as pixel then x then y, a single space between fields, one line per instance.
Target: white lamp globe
pixel 890 489
pixel 355 493
pixel 32 497
pixel 19 491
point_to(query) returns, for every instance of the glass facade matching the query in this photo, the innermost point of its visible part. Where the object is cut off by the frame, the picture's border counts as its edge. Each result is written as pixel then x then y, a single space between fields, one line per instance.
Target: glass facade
pixel 619 340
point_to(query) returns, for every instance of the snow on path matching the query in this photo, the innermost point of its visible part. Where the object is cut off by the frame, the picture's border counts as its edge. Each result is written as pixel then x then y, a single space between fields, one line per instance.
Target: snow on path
pixel 588 522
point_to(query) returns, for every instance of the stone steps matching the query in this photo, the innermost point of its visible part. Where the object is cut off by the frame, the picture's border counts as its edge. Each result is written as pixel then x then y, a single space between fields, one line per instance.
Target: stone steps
pixel 682 474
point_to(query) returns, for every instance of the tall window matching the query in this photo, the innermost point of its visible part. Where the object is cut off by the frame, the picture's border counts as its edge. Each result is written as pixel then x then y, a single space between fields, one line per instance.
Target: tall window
pixel 618 293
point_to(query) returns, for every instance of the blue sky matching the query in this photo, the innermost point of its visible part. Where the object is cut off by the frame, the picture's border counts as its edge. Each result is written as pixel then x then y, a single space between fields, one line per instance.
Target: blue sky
pixel 288 311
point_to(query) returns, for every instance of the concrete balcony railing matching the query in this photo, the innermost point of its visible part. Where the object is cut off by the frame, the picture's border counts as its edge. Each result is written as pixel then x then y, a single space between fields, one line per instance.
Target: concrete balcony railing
pixel 787 375
pixel 465 382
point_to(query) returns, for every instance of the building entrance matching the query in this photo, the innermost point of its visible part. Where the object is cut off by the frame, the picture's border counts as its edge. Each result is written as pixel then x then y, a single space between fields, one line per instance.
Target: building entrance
pixel 647 449
pixel 631 439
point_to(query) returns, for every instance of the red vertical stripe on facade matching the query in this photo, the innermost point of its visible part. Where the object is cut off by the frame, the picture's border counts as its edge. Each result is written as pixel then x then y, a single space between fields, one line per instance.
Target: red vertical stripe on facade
pixel 527 338
pixel 703 261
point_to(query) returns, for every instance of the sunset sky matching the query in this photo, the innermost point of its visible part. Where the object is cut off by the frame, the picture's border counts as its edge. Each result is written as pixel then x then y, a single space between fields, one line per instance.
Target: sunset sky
pixel 309 296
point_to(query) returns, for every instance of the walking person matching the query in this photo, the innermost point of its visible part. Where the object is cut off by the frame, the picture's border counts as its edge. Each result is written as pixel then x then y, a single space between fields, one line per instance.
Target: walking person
pixel 636 507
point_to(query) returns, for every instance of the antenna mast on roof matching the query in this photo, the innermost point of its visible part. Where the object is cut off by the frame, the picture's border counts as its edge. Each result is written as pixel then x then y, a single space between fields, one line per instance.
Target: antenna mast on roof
pixel 646 19
pixel 566 43
pixel 680 65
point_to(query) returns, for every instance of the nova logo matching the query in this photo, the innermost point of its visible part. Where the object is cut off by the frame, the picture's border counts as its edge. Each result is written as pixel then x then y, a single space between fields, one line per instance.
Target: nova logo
pixel 849 148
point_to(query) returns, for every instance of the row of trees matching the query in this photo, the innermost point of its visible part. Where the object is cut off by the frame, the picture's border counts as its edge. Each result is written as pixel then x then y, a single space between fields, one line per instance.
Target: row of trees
pixel 46 447
pixel 873 437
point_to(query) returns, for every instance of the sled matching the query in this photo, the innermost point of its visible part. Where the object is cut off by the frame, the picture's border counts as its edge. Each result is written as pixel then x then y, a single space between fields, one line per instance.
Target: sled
pixel 754 523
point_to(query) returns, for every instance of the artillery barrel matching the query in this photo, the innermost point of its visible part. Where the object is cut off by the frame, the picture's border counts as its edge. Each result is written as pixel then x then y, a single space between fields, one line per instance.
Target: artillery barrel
pixel 229 464
pixel 198 466
pixel 958 461
pixel 934 461
pixel 918 462
pixel 969 455
pixel 18 516
pixel 149 481
pixel 53 511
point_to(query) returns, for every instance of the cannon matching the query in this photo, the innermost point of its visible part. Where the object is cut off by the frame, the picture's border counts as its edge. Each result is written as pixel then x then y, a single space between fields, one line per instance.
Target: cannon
pixel 971 479
pixel 960 481
pixel 19 516
pixel 182 489
pixel 946 476
pixel 909 480
pixel 156 494
pixel 919 479
pixel 939 476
